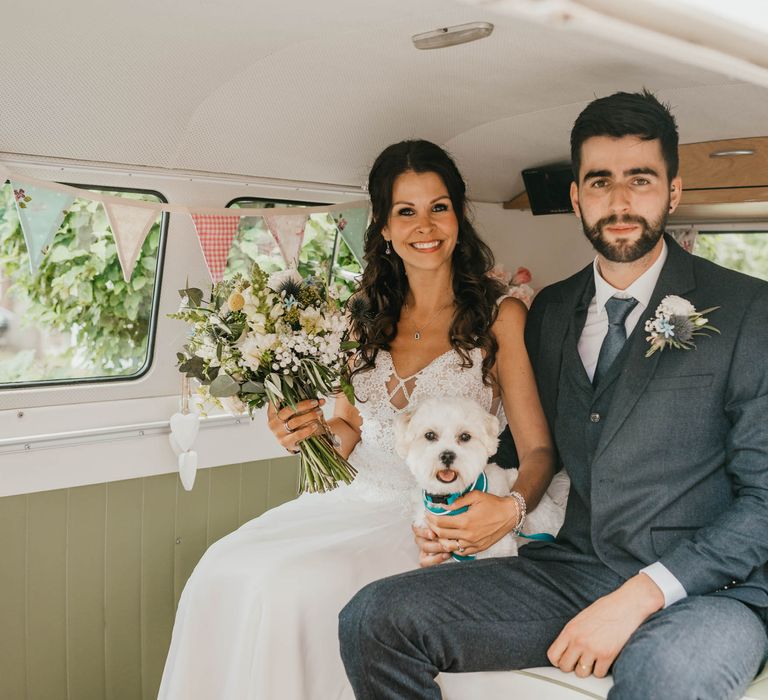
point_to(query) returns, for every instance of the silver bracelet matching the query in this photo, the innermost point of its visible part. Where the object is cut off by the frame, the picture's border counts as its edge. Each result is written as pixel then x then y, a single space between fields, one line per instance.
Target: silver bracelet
pixel 523 510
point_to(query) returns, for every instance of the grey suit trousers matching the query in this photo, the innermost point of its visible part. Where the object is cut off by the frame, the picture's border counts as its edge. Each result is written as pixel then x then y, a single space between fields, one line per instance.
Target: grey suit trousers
pixel 502 614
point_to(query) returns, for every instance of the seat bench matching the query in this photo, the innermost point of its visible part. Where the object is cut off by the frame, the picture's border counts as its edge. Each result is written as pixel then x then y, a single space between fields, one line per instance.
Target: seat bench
pixel 546 683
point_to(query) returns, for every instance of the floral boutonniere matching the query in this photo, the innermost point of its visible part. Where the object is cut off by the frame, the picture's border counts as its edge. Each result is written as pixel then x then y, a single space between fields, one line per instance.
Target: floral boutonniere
pixel 675 324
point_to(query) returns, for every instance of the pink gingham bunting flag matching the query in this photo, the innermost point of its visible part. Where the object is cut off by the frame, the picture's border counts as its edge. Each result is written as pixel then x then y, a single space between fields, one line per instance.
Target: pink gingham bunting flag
pixel 216 233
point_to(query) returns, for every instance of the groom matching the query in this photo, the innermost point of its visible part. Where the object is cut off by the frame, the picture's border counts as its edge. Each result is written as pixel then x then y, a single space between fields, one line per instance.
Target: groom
pixel 659 572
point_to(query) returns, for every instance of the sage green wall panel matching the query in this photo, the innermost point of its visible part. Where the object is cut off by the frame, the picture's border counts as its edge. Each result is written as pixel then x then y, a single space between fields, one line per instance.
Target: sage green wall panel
pixel 224 502
pixel 191 529
pixel 86 530
pixel 13 593
pixel 47 596
pixel 157 600
pixel 283 480
pixel 254 490
pixel 91 575
pixel 123 590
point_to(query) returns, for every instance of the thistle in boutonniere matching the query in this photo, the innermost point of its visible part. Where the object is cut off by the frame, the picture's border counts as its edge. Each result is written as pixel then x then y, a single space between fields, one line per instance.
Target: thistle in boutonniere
pixel 676 323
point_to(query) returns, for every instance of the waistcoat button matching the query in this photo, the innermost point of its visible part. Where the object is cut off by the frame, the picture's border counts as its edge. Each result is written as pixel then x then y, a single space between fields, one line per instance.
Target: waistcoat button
pixel 594 417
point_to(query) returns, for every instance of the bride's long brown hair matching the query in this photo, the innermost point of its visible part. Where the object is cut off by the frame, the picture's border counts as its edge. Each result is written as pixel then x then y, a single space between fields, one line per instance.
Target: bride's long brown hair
pixel 375 308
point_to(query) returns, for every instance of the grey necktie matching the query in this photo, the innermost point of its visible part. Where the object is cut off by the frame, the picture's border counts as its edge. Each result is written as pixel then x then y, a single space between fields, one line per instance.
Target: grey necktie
pixel 618 310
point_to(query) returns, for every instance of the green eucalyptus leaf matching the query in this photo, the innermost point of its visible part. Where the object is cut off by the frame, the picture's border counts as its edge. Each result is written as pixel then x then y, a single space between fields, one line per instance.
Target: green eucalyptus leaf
pixel 251 387
pixel 223 386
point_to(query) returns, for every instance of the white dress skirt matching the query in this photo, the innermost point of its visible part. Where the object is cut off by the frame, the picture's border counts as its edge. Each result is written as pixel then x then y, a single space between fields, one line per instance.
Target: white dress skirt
pixel 258 618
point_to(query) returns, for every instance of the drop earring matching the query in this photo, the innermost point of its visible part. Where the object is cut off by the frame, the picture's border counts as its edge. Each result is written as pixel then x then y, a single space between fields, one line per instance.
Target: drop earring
pixel 388 251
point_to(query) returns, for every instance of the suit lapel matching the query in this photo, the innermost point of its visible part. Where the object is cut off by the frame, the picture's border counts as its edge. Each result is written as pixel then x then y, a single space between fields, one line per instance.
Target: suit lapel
pixel 676 278
pixel 558 316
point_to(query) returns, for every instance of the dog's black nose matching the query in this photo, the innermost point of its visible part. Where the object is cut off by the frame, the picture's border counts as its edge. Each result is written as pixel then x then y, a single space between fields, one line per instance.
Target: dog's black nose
pixel 447 457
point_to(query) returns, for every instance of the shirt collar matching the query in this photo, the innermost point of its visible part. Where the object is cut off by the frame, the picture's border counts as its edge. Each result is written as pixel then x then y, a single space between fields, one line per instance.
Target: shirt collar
pixel 641 289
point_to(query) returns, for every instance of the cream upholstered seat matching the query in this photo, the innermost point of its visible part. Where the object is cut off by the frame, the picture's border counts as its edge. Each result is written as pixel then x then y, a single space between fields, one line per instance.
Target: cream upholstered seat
pixel 545 683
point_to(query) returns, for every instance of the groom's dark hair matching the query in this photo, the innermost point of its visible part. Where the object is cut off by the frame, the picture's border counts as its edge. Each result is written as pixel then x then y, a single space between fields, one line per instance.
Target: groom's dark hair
pixel 627 114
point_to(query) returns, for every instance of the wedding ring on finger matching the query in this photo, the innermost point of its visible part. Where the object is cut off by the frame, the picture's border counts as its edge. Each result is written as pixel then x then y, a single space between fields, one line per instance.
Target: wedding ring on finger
pixel 459 547
pixel 288 427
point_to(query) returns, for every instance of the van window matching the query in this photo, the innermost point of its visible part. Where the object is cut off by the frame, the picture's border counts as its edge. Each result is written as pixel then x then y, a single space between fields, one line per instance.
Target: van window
pixel 745 251
pixel 323 252
pixel 75 319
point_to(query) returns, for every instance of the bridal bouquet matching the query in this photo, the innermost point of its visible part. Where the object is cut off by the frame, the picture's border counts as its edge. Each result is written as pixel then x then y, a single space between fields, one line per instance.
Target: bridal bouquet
pixel 277 339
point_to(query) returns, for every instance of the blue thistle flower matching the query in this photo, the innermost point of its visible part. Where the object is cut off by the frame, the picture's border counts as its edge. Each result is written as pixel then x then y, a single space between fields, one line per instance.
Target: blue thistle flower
pixel 291 289
pixel 683 328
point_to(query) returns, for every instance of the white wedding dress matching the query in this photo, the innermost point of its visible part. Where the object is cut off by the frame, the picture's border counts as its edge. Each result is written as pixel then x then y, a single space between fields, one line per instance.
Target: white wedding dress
pixel 258 617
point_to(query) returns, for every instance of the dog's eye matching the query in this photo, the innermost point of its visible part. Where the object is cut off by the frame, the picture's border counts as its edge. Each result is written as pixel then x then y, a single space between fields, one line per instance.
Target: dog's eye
pixel 465 437
pixel 430 436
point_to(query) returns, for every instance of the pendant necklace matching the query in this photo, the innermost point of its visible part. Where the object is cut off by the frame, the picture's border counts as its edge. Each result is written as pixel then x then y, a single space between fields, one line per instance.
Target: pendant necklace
pixel 418 331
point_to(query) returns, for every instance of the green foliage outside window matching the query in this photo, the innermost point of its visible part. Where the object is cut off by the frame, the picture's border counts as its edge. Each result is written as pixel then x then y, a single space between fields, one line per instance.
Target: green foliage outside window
pixel 743 251
pixel 100 322
pixel 79 293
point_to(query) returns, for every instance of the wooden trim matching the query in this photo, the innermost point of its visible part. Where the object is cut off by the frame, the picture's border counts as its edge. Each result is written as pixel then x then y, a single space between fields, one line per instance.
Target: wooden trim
pixel 707 180
pixel 519 202
pixel 725 195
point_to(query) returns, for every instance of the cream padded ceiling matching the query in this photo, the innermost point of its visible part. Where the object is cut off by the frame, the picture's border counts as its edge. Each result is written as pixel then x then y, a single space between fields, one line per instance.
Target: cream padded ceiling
pixel 311 91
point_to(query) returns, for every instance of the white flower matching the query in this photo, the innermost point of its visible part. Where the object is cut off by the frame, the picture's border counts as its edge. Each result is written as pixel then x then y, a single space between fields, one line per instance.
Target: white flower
pixel 311 320
pixel 254 345
pixel 250 302
pixel 258 323
pixel 207 350
pixel 277 279
pixel 672 305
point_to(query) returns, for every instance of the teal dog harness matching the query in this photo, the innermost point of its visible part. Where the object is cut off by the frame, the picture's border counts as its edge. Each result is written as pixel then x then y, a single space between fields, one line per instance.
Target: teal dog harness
pixel 437 504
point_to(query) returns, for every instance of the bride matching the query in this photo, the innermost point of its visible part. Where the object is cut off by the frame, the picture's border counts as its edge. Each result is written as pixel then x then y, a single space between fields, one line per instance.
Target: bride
pixel 258 617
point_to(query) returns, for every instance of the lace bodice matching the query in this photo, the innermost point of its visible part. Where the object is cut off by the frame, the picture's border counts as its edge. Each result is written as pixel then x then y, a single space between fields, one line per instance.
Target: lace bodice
pixel 382 474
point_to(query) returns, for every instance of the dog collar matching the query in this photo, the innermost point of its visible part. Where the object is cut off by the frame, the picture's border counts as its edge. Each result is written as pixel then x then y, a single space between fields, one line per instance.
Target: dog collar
pixel 436 503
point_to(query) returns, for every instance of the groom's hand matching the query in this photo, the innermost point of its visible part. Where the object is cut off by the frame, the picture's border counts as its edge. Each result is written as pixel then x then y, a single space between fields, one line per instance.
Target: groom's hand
pixel 488 519
pixel 591 641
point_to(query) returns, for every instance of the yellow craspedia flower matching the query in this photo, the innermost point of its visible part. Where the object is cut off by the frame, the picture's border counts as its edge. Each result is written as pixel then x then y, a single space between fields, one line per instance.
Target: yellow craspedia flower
pixel 236 301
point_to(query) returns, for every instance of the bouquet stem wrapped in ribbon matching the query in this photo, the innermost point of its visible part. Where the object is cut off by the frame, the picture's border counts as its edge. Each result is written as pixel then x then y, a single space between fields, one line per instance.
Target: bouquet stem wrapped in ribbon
pixel 278 339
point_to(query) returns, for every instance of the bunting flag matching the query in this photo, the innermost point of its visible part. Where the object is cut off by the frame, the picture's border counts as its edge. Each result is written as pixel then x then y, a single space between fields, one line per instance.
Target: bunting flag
pixel 352 224
pixel 685 236
pixel 41 212
pixel 216 234
pixel 130 226
pixel 41 206
pixel 288 232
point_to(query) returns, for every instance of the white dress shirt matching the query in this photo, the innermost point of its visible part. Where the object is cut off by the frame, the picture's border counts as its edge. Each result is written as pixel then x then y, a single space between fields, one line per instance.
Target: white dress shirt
pixel 595 330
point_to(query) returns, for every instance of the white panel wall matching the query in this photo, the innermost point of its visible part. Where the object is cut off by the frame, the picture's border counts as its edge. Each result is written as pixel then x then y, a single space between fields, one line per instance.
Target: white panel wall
pixel 552 247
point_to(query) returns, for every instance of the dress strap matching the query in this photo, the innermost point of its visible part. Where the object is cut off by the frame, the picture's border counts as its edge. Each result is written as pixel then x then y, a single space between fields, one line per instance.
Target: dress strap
pixel 400 386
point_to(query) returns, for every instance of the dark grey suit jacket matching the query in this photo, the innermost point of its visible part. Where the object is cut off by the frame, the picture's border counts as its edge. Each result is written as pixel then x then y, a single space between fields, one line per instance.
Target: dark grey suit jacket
pixel 680 474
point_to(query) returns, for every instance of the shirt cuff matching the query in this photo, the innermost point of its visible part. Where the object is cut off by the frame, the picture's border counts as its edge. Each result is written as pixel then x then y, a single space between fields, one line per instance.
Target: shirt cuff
pixel 671 588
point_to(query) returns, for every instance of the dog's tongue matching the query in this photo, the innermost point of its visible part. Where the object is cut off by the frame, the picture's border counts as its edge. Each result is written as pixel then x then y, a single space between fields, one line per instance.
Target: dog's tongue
pixel 447 475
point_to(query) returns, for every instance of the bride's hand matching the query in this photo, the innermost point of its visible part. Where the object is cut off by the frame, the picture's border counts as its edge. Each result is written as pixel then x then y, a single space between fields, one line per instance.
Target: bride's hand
pixel 291 426
pixel 488 519
pixel 431 552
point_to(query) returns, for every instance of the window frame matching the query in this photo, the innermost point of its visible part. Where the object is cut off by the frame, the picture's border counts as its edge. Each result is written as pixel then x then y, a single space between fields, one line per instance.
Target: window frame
pixel 154 314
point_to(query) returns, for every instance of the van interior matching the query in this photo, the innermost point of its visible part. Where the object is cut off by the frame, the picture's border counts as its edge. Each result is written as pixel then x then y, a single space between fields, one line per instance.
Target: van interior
pixel 205 107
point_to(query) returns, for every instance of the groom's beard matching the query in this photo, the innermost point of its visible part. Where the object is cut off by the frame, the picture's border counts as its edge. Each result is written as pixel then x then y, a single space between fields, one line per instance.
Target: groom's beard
pixel 622 251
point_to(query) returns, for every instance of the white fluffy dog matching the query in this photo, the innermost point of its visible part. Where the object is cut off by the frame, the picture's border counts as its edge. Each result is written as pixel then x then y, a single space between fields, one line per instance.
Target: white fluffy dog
pixel 446 442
